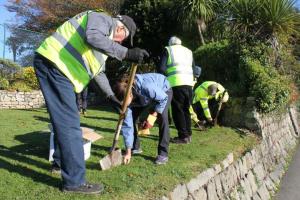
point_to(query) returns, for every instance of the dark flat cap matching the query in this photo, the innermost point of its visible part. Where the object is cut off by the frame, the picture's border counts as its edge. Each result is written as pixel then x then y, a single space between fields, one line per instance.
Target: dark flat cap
pixel 130 25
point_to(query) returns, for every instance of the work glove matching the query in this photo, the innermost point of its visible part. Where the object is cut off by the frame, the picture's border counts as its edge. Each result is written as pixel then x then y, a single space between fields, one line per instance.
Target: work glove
pixel 149 122
pixel 115 103
pixel 210 122
pixel 147 125
pixel 136 55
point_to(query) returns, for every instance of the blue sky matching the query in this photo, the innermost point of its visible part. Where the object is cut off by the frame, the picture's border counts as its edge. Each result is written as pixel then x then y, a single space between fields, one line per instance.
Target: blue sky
pixel 298 4
pixel 5 16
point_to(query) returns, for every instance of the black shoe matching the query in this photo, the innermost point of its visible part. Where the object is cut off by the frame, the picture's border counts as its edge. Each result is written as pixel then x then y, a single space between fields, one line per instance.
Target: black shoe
pixel 55 169
pixel 178 140
pixel 161 160
pixel 136 151
pixel 87 188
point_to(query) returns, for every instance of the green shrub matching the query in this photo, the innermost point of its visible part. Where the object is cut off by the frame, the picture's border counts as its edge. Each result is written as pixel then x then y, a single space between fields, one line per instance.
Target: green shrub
pixel 271 90
pixel 30 78
pixel 4 84
pixel 245 71
pixel 20 86
pixel 219 62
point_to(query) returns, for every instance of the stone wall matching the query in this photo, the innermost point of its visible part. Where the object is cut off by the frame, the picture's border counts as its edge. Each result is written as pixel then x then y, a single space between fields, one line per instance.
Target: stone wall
pixel 21 100
pixel 33 99
pixel 254 176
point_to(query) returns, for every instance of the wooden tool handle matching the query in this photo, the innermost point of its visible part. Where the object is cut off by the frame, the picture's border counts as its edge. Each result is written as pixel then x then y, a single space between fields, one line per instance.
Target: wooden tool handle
pixel 124 105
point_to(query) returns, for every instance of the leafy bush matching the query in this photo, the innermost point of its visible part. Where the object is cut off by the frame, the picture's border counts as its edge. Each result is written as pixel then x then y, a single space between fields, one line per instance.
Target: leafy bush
pixel 20 86
pixel 4 84
pixel 13 76
pixel 245 71
pixel 271 90
pixel 219 62
pixel 30 78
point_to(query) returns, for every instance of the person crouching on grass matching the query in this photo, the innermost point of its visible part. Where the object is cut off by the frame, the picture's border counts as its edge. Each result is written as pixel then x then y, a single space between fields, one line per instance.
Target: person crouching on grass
pixel 152 90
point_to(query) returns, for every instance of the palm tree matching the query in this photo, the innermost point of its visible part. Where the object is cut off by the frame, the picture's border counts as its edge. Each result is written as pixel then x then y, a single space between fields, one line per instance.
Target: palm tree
pixel 264 19
pixel 278 17
pixel 196 11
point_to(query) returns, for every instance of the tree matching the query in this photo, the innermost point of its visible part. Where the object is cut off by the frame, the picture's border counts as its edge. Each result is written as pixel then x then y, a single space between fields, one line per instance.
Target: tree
pixel 263 19
pixel 22 43
pixel 196 11
pixel 154 21
pixel 47 15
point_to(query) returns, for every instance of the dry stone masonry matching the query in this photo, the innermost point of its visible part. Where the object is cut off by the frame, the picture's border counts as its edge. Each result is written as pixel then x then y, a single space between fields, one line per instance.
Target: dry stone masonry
pixel 21 100
pixel 33 99
pixel 254 176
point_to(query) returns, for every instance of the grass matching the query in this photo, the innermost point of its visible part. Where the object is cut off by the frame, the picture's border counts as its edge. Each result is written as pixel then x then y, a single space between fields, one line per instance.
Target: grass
pixel 24 166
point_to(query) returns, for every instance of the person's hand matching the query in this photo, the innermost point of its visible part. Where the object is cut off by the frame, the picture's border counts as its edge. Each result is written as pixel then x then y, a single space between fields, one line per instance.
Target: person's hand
pixel 115 103
pixel 136 55
pixel 127 157
pixel 210 122
pixel 146 125
pixel 149 122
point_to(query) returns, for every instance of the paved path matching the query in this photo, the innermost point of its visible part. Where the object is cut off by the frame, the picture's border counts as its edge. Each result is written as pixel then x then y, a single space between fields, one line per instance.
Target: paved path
pixel 290 184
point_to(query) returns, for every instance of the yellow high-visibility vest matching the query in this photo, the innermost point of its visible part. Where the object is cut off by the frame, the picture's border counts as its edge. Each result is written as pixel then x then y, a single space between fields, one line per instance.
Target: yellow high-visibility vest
pixel 72 55
pixel 179 66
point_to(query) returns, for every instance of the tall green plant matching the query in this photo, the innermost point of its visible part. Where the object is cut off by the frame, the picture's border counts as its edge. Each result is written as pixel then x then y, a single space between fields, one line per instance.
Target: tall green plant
pixel 263 19
pixel 279 16
pixel 196 12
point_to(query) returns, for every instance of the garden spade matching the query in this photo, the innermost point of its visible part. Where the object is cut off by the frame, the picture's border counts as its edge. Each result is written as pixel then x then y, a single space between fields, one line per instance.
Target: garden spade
pixel 114 158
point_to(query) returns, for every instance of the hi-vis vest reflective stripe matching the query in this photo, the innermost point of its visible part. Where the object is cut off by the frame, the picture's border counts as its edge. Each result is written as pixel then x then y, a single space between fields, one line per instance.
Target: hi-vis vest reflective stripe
pixel 68 49
pixel 179 66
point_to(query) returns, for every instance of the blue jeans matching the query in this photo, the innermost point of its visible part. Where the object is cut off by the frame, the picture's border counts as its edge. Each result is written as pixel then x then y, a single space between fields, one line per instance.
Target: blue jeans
pixel 60 100
pixel 82 98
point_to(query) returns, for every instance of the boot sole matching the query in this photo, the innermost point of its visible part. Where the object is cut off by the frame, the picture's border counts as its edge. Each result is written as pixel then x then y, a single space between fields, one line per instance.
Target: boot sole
pixel 81 192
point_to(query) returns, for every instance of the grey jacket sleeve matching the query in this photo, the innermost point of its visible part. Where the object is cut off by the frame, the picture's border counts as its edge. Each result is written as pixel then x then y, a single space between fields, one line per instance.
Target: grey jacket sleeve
pixel 99 27
pixel 103 83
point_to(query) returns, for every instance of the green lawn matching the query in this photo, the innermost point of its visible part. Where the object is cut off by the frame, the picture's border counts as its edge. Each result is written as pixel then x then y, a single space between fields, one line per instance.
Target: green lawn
pixel 24 166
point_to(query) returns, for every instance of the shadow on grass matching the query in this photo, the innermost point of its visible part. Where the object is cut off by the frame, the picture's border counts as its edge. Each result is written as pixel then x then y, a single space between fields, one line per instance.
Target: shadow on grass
pixel 241 132
pixel 34 143
pixel 102 107
pixel 25 171
pixel 150 137
pixel 97 128
pixel 145 157
pixel 98 148
pixel 42 119
pixel 101 118
pixel 41 110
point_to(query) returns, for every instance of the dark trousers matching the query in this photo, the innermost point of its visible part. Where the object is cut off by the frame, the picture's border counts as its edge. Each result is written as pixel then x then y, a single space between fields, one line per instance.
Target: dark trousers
pixel 182 99
pixel 81 99
pixel 213 108
pixel 60 99
pixel 163 124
